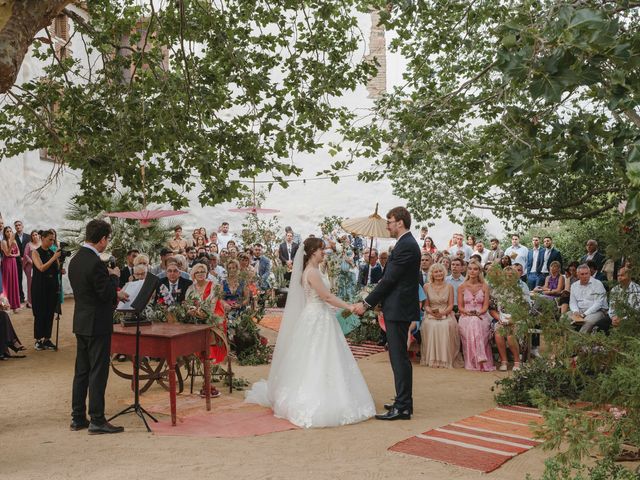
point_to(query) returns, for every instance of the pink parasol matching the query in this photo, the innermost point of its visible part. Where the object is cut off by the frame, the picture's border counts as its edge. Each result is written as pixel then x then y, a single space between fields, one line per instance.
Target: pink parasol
pixel 253 209
pixel 145 216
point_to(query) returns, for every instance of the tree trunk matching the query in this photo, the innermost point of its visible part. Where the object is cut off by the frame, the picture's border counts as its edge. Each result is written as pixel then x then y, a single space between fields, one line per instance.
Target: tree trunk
pixel 20 20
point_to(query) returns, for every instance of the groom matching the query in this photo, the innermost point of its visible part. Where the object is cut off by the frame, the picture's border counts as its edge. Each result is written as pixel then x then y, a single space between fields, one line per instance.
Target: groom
pixel 398 293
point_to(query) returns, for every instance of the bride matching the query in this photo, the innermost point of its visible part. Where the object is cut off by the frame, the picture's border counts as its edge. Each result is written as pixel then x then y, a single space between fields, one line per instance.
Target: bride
pixel 314 380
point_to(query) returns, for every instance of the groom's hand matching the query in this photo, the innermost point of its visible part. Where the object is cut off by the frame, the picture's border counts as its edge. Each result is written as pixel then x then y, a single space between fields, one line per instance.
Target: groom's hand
pixel 359 309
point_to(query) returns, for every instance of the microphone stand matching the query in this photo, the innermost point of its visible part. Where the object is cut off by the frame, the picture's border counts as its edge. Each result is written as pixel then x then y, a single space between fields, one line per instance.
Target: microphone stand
pixel 138 305
pixel 135 407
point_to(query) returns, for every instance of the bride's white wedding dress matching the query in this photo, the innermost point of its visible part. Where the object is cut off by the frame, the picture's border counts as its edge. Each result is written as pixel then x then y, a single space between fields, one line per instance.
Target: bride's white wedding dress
pixel 314 380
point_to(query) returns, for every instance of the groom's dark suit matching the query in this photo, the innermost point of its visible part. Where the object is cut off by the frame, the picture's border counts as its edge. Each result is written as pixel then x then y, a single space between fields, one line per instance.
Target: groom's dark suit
pixel 398 293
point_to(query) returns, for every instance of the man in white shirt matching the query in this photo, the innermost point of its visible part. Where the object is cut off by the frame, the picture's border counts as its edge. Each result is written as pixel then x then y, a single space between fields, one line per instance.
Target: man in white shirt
pixel 518 253
pixel 224 235
pixel 588 300
pixel 455 280
pixel 483 252
pixel 627 291
pixel 459 246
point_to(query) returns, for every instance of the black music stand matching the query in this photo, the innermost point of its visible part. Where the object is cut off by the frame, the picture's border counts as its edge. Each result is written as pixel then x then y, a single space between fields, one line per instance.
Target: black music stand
pixel 138 305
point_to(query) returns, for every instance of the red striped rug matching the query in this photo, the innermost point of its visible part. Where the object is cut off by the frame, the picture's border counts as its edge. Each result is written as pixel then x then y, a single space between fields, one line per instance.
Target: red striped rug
pixel 364 349
pixel 482 442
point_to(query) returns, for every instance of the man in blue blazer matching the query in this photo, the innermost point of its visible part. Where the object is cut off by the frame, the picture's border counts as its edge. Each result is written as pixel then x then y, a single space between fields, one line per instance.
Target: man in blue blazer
pixel 535 259
pixel 550 255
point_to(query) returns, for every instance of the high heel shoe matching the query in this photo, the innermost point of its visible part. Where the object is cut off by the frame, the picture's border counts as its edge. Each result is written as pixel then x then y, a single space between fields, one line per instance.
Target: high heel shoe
pixel 17 348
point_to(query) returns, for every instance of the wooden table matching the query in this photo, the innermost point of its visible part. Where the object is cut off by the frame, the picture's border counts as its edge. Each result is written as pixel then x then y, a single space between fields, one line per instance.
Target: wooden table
pixel 168 341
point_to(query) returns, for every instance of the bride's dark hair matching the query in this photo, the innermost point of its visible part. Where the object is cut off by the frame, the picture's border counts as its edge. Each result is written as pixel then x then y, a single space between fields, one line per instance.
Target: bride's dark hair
pixel 311 246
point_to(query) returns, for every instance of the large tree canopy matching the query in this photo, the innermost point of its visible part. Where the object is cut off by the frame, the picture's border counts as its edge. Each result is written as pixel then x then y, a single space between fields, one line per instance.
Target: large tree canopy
pixel 524 107
pixel 165 97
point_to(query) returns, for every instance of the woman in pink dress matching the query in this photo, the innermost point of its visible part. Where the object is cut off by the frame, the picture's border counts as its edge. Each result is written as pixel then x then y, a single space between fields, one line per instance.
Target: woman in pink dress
pixel 10 252
pixel 27 262
pixel 475 321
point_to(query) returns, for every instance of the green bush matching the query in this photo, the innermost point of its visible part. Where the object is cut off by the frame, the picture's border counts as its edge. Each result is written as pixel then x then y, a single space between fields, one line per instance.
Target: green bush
pixel 539 376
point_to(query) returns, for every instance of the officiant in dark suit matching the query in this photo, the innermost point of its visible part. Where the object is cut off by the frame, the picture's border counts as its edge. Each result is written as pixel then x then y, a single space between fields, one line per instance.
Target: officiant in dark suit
pixel 21 239
pixel 96 296
pixel 398 293
pixel 286 253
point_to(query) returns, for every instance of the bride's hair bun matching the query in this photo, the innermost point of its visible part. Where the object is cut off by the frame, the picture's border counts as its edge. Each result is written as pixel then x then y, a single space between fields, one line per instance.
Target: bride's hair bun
pixel 311 245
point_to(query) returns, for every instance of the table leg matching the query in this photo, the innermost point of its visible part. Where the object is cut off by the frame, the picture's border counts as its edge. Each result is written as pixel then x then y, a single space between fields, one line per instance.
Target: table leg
pixel 172 389
pixel 207 378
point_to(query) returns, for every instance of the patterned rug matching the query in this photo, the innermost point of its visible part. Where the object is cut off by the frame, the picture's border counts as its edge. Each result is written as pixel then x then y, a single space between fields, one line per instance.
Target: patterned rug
pixel 229 417
pixel 273 319
pixel 482 442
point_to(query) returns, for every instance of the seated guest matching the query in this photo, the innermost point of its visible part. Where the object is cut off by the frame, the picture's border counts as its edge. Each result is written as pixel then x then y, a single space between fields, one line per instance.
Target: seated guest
pixel 201 288
pixel 191 254
pixel 455 280
pixel 426 261
pixel 235 293
pixel 570 277
pixel 475 322
pixel 502 326
pixel 428 246
pixel 505 261
pixel 263 267
pixel 383 258
pixel 626 292
pixel 8 338
pixel 370 272
pixel 440 341
pixel 588 301
pixel 553 284
pixel 181 262
pixel 142 259
pixel 178 243
pixel 140 272
pixel 593 268
pixel 446 263
pixel 173 287
pixel 217 273
pixel 165 254
pixel 476 258
pixel 487 267
pixel 248 273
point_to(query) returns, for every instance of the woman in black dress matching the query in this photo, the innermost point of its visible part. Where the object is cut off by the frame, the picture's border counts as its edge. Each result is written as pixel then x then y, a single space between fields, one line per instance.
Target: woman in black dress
pixel 45 290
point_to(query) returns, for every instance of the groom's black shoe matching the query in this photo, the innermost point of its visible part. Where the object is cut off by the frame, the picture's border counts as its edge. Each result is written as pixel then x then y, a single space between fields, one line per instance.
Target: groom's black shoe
pixel 395 414
pixel 389 406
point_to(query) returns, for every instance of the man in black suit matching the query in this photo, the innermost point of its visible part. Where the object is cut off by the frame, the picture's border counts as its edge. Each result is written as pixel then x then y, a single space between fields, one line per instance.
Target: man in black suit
pixel 95 293
pixel 173 283
pixel 370 272
pixel 593 254
pixel 398 293
pixel 21 239
pixel 286 253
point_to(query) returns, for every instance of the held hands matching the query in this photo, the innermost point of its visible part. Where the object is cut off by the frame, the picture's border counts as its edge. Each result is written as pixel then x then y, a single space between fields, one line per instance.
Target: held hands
pixel 122 295
pixel 358 308
pixel 113 271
